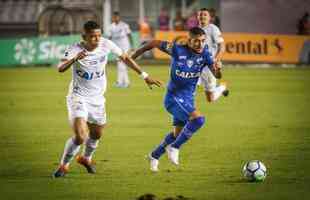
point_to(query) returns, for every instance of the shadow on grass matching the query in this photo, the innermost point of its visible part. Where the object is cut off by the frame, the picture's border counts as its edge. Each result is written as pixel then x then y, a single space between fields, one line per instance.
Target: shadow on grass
pixel 238 181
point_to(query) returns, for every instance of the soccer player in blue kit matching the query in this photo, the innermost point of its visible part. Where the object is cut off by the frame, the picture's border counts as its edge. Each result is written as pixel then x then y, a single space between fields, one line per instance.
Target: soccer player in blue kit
pixel 187 65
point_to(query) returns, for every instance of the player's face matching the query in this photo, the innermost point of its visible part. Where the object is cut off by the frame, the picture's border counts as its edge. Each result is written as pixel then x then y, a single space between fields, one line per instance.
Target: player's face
pixel 197 43
pixel 92 37
pixel 115 18
pixel 203 17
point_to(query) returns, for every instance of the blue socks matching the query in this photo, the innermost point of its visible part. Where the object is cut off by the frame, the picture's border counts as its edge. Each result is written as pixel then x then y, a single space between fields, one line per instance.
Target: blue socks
pixel 189 129
pixel 160 150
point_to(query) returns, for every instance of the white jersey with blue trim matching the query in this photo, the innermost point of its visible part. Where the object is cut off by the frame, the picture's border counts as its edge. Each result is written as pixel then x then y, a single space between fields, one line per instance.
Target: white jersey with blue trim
pixel 89 73
pixel 213 37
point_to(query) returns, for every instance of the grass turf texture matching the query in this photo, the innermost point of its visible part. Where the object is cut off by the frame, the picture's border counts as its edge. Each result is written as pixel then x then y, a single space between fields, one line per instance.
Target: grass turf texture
pixel 266 117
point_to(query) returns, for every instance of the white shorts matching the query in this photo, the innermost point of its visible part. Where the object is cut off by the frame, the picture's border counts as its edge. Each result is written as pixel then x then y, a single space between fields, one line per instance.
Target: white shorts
pixel 207 79
pixel 92 112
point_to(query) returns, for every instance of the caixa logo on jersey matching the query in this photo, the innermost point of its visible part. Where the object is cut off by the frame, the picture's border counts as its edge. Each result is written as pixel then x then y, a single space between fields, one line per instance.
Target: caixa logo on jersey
pixel 89 75
pixel 187 74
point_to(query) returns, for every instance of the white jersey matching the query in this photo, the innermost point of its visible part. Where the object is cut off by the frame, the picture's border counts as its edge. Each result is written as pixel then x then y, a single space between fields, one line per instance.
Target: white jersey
pixel 213 37
pixel 89 73
pixel 119 34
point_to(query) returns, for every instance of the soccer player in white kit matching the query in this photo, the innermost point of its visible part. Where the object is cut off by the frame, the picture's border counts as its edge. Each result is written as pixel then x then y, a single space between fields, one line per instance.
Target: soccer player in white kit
pixel 215 43
pixel 120 33
pixel 85 100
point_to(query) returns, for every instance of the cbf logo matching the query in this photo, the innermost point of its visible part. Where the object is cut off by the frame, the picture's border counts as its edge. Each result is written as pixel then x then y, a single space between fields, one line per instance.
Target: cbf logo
pixel 25 51
pixel 189 63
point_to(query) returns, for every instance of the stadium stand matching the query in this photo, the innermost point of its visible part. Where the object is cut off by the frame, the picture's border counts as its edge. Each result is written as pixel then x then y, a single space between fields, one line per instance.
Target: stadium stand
pixel 21 17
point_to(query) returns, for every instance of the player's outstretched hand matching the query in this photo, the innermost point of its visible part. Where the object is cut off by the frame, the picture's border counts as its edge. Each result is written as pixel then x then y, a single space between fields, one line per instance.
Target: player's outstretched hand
pixel 216 70
pixel 149 81
pixel 218 65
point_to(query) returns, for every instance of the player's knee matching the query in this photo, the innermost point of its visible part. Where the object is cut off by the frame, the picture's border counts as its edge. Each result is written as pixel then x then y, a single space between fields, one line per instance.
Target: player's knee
pixel 200 121
pixel 80 136
pixel 96 135
pixel 79 139
pixel 196 123
pixel 210 97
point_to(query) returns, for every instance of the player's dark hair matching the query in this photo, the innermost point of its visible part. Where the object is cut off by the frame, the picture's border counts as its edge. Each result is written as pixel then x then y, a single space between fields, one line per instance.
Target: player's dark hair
pixel 212 10
pixel 204 9
pixel 196 31
pixel 91 25
pixel 116 13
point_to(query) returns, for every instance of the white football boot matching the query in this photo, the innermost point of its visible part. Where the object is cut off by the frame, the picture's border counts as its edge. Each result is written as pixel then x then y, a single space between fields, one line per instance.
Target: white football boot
pixel 153 163
pixel 173 154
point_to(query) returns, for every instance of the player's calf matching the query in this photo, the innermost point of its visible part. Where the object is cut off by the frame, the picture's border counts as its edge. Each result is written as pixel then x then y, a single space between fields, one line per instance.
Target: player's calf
pixel 160 149
pixel 189 129
pixel 80 129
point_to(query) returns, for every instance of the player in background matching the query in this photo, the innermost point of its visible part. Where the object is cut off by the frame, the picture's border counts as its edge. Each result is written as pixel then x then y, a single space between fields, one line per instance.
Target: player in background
pixel 120 33
pixel 216 47
pixel 188 62
pixel 85 100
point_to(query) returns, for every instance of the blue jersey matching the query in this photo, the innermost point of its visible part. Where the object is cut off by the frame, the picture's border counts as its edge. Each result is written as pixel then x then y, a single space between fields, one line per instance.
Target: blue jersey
pixel 186 67
pixel 185 70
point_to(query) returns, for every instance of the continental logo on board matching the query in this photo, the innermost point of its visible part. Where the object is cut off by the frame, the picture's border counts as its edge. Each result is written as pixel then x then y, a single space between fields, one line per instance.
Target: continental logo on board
pixel 263 47
pixel 252 47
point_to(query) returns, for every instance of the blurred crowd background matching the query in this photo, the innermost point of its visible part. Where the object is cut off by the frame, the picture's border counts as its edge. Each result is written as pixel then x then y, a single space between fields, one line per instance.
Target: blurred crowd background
pixel 63 17
pixel 269 31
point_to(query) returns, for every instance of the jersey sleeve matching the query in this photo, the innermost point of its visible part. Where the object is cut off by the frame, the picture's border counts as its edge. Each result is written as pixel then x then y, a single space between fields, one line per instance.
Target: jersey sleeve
pixel 69 53
pixel 208 58
pixel 114 48
pixel 167 47
pixel 127 29
pixel 109 31
pixel 218 38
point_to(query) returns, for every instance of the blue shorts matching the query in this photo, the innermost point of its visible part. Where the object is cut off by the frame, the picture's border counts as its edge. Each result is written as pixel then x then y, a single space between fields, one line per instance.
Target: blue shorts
pixel 180 109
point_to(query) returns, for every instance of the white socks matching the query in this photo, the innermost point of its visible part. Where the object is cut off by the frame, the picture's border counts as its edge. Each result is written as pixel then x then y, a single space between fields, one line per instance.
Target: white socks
pixel 218 91
pixel 122 74
pixel 90 148
pixel 71 149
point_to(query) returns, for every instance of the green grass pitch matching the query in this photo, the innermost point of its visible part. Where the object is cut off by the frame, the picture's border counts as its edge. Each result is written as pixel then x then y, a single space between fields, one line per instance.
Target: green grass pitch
pixel 266 117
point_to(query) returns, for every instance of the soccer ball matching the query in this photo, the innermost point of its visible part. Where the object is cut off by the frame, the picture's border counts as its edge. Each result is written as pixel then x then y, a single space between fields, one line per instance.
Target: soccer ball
pixel 254 171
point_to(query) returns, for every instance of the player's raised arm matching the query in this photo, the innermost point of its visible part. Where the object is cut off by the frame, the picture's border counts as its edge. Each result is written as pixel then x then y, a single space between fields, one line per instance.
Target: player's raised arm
pixel 65 63
pixel 161 45
pixel 218 60
pixel 133 65
pixel 214 66
pixel 219 54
